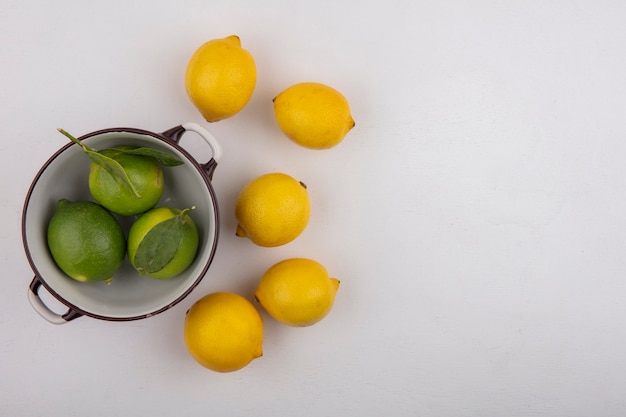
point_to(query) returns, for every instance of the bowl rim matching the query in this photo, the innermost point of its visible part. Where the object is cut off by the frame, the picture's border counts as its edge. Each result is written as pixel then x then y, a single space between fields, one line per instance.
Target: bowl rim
pixel 205 171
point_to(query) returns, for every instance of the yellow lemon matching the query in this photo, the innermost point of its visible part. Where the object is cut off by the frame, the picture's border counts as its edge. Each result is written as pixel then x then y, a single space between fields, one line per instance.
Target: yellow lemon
pixel 297 292
pixel 223 332
pixel 313 115
pixel 220 78
pixel 272 210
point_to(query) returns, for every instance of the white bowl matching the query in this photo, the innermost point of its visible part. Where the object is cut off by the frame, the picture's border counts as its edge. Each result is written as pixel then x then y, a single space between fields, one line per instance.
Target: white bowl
pixel 129 296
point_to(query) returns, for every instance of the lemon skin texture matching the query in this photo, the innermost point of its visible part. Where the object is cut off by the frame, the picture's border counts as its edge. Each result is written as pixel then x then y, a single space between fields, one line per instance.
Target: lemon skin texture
pixel 186 251
pixel 272 210
pixel 144 173
pixel 220 78
pixel 297 292
pixel 313 115
pixel 86 241
pixel 223 332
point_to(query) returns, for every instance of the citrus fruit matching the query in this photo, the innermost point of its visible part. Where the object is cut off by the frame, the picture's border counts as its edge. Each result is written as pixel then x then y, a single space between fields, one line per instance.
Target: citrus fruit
pixel 162 242
pixel 313 115
pixel 272 210
pixel 297 292
pixel 223 332
pixel 144 173
pixel 85 240
pixel 220 78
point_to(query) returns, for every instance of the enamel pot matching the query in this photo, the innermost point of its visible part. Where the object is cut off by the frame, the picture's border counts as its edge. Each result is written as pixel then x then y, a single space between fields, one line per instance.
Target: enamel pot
pixel 129 296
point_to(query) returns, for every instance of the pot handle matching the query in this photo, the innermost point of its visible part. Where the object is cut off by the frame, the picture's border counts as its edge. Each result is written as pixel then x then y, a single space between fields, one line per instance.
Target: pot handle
pixel 44 311
pixel 177 132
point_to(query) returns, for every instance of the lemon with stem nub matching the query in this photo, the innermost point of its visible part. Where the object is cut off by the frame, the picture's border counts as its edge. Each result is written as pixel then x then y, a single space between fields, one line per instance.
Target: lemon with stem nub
pixel 223 332
pixel 313 115
pixel 220 78
pixel 297 292
pixel 272 210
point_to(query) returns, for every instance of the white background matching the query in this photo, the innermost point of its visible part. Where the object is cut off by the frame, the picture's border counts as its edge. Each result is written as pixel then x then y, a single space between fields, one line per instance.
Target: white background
pixel 475 215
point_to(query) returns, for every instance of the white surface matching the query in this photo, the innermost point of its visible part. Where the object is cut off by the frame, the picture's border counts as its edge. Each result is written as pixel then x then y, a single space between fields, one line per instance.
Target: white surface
pixel 475 215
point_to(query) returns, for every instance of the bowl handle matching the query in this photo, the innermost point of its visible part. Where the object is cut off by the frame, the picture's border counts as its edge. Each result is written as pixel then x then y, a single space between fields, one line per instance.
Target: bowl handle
pixel 43 310
pixel 175 134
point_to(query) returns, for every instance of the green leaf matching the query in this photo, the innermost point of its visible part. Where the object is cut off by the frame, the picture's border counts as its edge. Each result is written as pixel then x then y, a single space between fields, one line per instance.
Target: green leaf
pixel 159 245
pixel 164 158
pixel 108 164
pixel 114 168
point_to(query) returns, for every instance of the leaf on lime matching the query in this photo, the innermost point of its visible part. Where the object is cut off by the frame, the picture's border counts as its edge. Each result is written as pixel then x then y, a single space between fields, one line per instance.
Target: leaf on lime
pixel 109 164
pixel 159 245
pixel 163 158
pixel 114 168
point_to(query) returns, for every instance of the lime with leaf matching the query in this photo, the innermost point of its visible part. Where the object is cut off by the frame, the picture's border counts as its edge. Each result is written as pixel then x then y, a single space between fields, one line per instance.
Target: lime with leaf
pixel 163 242
pixel 126 180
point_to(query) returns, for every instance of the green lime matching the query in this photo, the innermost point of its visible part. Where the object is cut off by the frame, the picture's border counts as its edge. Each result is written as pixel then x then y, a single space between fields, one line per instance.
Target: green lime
pixel 145 174
pixel 162 242
pixel 86 241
